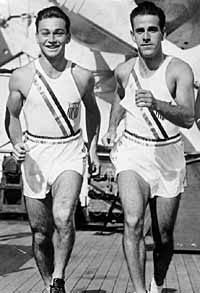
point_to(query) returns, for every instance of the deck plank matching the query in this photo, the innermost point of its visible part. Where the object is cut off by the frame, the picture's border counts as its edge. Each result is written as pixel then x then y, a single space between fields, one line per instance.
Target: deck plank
pixel 98 258
pixel 97 264
pixel 86 257
pixel 172 282
pixel 182 274
pixel 196 259
pixel 80 252
pixel 29 282
pixel 192 273
pixel 113 272
pixel 122 281
pixel 104 271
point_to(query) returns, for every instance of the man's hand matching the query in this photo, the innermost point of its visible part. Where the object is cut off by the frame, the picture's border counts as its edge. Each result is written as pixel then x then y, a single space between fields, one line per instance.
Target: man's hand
pixel 19 151
pixel 145 98
pixel 94 164
pixel 109 138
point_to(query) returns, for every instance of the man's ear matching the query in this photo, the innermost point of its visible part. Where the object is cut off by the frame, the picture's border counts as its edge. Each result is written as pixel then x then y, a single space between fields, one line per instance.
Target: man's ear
pixel 132 36
pixel 68 38
pixel 164 33
pixel 36 37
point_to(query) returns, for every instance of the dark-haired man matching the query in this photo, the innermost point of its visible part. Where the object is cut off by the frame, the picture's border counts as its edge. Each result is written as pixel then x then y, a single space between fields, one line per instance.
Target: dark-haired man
pixel 52 152
pixel 155 92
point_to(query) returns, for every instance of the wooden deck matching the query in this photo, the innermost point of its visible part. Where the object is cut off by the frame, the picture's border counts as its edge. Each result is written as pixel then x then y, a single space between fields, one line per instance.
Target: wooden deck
pixel 97 263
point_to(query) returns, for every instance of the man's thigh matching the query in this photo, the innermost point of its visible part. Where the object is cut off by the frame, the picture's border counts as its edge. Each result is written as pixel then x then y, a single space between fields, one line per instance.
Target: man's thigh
pixel 66 190
pixel 40 214
pixel 134 192
pixel 164 213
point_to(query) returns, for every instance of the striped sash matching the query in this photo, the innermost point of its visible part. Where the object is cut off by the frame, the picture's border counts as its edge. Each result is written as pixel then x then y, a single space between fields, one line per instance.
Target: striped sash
pixel 55 103
pixel 146 118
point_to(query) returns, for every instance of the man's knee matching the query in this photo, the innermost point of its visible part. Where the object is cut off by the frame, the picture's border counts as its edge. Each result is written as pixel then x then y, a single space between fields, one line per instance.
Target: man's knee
pixel 41 239
pixel 166 237
pixel 134 225
pixel 165 240
pixel 41 230
pixel 63 219
pixel 64 216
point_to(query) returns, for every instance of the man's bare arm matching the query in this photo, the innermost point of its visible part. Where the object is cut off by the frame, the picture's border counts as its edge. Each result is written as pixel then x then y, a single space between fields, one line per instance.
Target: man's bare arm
pixel 13 109
pixel 92 113
pixel 197 109
pixel 116 114
pixel 93 121
pixel 117 111
pixel 12 121
pixel 181 114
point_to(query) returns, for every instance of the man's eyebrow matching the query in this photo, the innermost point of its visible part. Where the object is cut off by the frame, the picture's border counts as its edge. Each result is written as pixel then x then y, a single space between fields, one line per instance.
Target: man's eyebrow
pixel 139 28
pixel 44 30
pixel 153 27
pixel 55 30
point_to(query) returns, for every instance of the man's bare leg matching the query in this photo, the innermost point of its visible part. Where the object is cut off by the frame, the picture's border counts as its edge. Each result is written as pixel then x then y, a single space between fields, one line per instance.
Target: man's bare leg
pixel 41 223
pixel 134 194
pixel 164 214
pixel 65 191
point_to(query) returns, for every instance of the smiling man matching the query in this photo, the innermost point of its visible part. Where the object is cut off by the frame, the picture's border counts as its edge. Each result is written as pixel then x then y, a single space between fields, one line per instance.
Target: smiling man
pixel 52 152
pixel 155 93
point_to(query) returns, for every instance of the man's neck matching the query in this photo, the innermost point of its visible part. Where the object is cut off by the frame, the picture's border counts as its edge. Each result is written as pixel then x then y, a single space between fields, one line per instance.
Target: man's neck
pixel 149 65
pixel 53 67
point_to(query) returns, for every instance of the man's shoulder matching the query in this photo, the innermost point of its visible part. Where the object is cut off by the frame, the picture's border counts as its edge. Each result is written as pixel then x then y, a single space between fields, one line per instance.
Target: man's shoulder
pixel 179 66
pixel 80 69
pixel 123 70
pixel 23 72
pixel 21 76
pixel 83 74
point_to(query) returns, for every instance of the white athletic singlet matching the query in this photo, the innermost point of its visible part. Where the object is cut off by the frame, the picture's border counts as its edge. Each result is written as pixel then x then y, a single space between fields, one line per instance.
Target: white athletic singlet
pixel 50 152
pixel 135 121
pixel 38 118
pixel 159 161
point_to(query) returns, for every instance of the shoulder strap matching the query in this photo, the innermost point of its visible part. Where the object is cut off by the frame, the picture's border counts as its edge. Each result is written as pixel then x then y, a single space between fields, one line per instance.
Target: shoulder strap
pixel 58 105
pixel 151 112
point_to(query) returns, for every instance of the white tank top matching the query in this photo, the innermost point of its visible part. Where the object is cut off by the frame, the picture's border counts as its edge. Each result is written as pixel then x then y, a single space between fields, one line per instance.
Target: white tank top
pixel 134 121
pixel 38 118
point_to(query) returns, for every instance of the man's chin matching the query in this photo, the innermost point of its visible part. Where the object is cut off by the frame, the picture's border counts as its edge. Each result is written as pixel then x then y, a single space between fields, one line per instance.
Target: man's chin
pixel 147 55
pixel 50 56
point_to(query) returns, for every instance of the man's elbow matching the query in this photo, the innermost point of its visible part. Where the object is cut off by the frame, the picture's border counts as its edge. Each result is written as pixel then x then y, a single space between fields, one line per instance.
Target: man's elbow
pixel 189 117
pixel 7 121
pixel 189 122
pixel 97 121
pixel 94 118
pixel 97 116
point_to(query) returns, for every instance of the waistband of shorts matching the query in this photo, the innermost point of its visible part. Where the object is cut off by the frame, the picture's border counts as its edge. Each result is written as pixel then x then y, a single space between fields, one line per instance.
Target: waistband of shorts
pixel 150 141
pixel 51 140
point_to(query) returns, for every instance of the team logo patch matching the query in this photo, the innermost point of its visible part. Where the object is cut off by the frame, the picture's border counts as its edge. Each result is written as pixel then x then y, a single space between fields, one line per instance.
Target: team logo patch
pixel 73 110
pixel 159 115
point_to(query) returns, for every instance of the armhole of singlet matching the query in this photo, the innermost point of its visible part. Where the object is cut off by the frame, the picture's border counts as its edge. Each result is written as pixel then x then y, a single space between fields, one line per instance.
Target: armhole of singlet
pixel 31 82
pixel 71 66
pixel 129 76
pixel 136 66
pixel 168 63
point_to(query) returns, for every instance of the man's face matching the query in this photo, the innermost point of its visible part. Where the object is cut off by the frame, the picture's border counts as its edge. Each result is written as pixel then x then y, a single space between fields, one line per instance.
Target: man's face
pixel 147 35
pixel 52 36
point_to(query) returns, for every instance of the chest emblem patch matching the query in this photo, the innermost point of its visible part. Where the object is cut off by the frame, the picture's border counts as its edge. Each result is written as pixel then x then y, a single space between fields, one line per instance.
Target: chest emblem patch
pixel 73 110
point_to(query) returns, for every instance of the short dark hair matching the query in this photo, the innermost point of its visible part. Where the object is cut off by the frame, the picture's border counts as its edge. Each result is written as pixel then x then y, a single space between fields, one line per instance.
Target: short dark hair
pixel 150 8
pixel 52 11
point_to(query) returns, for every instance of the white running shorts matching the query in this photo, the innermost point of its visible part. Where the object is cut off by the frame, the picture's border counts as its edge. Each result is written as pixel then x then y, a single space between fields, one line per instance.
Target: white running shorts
pixel 47 159
pixel 161 164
